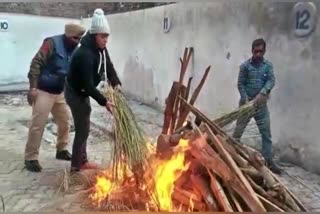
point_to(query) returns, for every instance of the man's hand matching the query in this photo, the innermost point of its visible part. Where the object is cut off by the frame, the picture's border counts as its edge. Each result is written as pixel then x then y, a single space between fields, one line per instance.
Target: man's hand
pixel 243 102
pixel 109 106
pixel 32 95
pixel 260 99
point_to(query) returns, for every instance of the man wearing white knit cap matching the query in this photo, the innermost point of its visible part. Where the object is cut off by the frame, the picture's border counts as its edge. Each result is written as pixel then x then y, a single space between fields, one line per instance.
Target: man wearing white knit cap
pixel 89 65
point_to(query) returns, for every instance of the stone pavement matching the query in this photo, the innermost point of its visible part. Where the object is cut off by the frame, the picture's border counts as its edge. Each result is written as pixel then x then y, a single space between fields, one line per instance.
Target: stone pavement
pixel 25 191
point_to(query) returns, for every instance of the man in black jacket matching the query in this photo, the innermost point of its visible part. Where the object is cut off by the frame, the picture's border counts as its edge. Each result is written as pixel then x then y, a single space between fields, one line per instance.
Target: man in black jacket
pixel 89 65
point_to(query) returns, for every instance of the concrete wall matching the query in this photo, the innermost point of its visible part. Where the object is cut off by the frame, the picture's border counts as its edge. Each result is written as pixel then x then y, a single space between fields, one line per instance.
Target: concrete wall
pixel 21 42
pixel 72 9
pixel 147 59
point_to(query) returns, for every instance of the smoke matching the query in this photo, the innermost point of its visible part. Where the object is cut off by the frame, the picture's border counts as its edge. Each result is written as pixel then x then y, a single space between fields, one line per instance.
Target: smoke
pixel 294 104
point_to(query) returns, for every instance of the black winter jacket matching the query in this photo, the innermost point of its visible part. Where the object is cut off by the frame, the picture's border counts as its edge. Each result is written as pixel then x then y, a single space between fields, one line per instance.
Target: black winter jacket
pixel 87 69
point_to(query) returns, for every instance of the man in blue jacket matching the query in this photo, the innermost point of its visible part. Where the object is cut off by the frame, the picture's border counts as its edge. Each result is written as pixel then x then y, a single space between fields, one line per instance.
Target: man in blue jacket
pixel 46 76
pixel 255 82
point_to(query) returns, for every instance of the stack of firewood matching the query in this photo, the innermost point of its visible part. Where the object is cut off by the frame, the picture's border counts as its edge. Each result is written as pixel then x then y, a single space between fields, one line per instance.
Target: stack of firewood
pixel 224 175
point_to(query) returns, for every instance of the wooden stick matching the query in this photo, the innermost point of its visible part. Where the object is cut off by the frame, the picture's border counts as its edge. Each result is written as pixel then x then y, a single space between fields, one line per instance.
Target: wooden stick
pixel 253 174
pixel 196 167
pixel 189 194
pixel 235 200
pixel 204 189
pixel 257 162
pixel 169 108
pixel 200 116
pixel 219 194
pixel 163 142
pixel 179 196
pixel 184 65
pixel 211 160
pixel 186 96
pixel 248 149
pixel 240 150
pixel 304 209
pixel 232 151
pixel 182 61
pixel 269 205
pixel 263 193
pixel 194 97
pixel 182 179
pixel 183 91
pixel 186 127
pixel 175 113
pixel 177 108
pixel 228 159
pixel 214 128
pixel 199 87
pixel 182 107
pixel 218 130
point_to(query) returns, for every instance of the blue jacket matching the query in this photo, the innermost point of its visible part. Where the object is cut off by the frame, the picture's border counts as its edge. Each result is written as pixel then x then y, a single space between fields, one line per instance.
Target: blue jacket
pixel 53 74
pixel 254 79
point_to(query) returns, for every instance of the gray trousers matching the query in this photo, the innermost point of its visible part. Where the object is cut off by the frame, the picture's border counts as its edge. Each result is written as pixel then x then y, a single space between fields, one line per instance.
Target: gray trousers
pixel 81 109
pixel 262 118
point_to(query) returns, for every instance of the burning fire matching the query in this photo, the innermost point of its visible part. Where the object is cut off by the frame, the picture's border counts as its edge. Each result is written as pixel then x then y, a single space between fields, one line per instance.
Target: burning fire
pixel 166 173
pixel 103 188
pixel 160 177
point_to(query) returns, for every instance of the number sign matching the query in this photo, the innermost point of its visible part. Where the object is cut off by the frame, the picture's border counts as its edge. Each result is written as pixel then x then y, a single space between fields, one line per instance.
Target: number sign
pixel 304 18
pixel 4 25
pixel 166 24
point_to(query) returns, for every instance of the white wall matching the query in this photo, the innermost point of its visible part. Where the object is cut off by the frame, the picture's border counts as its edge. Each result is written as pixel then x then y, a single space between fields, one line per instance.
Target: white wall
pixel 22 41
pixel 147 59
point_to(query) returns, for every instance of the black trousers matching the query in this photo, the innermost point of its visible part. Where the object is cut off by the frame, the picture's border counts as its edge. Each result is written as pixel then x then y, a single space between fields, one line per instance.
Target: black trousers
pixel 81 109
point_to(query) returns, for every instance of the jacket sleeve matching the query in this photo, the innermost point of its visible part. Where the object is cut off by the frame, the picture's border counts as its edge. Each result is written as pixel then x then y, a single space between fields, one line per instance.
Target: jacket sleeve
pixel 270 81
pixel 111 72
pixel 39 60
pixel 86 65
pixel 242 77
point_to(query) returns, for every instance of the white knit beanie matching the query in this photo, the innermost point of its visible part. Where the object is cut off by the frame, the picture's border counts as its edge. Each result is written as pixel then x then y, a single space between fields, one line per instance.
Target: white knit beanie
pixel 99 23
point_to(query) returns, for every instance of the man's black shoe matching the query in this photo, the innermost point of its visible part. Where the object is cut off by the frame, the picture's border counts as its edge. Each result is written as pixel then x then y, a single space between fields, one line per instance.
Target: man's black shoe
pixel 63 155
pixel 274 168
pixel 32 165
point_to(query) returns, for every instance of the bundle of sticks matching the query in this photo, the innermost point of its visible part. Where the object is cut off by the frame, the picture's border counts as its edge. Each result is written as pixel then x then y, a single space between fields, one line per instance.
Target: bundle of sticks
pixel 224 175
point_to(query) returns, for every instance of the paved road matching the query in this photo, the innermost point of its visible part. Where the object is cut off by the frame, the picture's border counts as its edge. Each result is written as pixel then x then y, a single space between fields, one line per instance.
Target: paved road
pixel 26 191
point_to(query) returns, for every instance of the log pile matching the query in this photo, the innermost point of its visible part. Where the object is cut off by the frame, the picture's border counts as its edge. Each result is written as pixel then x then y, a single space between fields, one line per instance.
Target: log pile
pixel 223 175
pixel 195 166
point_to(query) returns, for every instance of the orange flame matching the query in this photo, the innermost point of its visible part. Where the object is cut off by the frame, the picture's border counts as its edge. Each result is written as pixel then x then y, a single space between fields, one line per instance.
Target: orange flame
pixel 161 176
pixel 105 186
pixel 166 173
pixel 103 189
